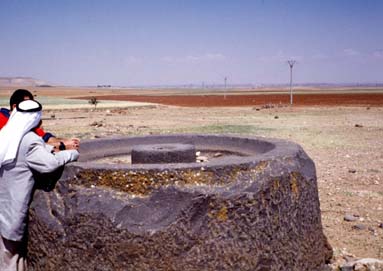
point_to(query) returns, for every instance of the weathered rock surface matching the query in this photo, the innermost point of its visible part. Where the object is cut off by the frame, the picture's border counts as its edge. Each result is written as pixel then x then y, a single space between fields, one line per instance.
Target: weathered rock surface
pixel 260 212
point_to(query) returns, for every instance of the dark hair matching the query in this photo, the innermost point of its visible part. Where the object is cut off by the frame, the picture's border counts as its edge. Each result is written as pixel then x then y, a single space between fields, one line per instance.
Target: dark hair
pixel 18 96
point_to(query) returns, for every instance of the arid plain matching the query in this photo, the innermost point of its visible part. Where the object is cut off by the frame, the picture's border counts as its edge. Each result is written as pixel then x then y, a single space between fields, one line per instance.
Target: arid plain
pixel 341 130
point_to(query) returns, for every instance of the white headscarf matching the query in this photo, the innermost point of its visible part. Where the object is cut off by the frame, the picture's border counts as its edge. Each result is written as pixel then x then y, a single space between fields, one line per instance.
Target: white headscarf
pixel 23 119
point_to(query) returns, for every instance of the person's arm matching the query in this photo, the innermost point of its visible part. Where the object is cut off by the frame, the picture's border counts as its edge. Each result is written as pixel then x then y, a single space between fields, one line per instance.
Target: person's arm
pixel 41 160
pixel 64 143
pixel 58 144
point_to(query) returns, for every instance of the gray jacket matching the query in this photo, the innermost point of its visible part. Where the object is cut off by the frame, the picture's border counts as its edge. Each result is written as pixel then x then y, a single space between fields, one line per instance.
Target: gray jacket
pixel 16 182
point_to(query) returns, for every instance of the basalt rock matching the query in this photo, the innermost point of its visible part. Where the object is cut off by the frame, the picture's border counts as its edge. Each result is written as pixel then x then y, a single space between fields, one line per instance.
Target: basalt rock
pixel 255 207
pixel 163 154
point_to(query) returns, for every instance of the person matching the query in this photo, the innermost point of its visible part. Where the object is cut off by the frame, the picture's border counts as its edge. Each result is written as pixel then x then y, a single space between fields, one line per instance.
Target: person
pixel 20 95
pixel 22 153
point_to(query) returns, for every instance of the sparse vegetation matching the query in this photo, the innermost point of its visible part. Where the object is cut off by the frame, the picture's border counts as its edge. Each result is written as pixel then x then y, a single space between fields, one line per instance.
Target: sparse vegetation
pixel 225 129
pixel 93 101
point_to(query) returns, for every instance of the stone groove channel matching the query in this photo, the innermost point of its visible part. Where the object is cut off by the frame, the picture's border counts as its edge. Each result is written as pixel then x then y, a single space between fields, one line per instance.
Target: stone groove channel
pixel 250 204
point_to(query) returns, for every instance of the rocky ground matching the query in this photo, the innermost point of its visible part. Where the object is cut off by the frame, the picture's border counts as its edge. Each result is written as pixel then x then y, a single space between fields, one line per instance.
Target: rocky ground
pixel 345 142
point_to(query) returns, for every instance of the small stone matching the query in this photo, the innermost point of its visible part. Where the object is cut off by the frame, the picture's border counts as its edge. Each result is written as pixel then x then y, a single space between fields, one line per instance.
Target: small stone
pixel 202 159
pixel 366 264
pixel 352 170
pixel 373 231
pixel 358 125
pixel 276 117
pixel 217 154
pixel 96 124
pixel 381 225
pixel 349 217
pixel 359 227
pixel 349 258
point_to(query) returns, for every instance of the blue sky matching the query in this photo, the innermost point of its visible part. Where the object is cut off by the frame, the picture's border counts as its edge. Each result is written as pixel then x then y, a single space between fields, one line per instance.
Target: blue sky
pixel 157 42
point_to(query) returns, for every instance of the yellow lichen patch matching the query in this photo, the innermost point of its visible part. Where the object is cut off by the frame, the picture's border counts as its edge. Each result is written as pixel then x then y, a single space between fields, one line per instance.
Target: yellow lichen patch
pixel 196 177
pixel 261 166
pixel 263 199
pixel 218 211
pixel 276 219
pixel 245 173
pixel 144 182
pixel 294 178
pixel 222 214
pixel 276 184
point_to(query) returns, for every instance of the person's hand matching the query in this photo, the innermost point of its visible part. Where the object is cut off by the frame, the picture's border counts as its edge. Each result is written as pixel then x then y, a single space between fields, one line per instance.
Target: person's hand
pixel 71 143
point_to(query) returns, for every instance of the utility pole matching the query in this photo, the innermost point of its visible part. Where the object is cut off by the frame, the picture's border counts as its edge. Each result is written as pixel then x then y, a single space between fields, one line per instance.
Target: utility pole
pixel 291 64
pixel 224 95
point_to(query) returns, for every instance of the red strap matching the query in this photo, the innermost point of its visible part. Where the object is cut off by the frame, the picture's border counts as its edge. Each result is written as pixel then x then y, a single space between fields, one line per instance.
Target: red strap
pixel 40 132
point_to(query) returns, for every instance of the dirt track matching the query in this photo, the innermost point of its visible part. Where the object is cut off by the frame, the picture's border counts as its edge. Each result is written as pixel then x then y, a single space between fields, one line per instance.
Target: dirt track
pixel 351 99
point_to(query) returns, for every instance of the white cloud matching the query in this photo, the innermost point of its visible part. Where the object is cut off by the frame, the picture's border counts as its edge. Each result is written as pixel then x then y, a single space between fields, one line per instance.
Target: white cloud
pixel 168 59
pixel 378 53
pixel 319 56
pixel 280 56
pixel 191 59
pixel 215 56
pixel 133 60
pixel 210 57
pixel 350 52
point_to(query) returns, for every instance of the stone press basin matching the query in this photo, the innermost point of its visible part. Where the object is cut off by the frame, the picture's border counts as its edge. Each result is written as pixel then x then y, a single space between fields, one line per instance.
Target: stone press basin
pixel 216 203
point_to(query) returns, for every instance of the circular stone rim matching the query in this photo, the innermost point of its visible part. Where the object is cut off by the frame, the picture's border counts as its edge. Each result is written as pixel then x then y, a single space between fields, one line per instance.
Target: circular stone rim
pixel 93 149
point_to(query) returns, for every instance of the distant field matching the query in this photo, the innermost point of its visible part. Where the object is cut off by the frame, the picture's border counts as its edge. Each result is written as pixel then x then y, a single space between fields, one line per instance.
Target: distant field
pixel 334 99
pixel 70 97
pixel 66 92
pixel 62 103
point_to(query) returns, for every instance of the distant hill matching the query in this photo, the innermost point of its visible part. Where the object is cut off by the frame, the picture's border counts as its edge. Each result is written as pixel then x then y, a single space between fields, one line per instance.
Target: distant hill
pixel 22 81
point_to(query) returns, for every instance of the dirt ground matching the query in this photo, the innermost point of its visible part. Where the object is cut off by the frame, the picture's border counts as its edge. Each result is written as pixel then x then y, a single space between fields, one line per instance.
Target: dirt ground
pixel 342 133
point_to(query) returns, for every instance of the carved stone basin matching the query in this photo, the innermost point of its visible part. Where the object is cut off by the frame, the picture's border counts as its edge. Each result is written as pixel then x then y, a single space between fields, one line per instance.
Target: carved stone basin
pixel 251 204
